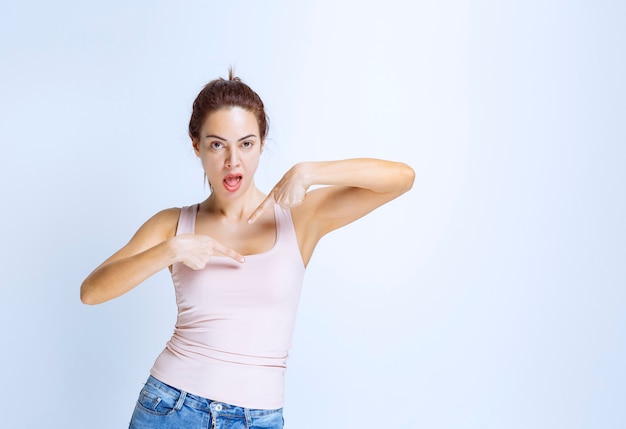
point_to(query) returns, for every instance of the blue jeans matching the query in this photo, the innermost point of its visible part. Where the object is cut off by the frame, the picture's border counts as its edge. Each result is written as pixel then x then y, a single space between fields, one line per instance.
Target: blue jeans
pixel 164 407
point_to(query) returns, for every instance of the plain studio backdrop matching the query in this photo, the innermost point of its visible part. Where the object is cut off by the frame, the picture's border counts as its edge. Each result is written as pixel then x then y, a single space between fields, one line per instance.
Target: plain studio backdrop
pixel 492 295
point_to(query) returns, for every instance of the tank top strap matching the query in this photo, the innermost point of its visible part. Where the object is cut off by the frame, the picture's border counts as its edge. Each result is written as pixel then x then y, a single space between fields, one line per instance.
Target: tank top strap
pixel 187 220
pixel 285 230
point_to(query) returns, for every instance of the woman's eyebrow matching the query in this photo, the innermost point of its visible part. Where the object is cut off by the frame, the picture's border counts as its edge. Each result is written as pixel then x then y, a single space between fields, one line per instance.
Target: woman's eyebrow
pixel 223 139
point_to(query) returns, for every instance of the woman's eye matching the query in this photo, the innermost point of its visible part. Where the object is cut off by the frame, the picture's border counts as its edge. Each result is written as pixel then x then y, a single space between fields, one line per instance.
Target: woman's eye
pixel 216 145
pixel 247 145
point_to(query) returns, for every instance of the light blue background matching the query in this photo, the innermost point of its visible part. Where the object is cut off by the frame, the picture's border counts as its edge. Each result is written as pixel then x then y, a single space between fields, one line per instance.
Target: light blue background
pixel 490 296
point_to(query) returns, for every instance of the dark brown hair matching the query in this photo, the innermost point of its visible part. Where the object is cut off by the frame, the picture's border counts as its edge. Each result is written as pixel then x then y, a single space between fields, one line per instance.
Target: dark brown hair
pixel 220 93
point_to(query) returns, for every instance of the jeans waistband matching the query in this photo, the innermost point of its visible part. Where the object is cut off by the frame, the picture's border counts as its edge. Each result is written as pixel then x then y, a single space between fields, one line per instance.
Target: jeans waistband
pixel 201 403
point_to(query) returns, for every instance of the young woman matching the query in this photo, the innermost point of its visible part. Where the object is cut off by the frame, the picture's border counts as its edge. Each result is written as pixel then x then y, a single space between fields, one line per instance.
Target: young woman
pixel 237 261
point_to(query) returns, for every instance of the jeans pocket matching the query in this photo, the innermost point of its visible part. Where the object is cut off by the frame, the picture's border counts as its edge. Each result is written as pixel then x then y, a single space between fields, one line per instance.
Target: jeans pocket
pixel 156 401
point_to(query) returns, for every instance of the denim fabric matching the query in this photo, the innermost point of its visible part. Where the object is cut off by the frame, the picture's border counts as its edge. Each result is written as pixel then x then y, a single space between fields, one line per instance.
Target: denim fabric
pixel 163 407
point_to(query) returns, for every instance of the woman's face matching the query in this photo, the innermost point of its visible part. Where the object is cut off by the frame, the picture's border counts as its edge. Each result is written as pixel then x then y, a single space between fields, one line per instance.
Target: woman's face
pixel 230 148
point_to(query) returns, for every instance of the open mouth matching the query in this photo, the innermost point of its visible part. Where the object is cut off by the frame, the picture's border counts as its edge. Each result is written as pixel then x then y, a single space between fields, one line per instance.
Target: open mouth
pixel 232 182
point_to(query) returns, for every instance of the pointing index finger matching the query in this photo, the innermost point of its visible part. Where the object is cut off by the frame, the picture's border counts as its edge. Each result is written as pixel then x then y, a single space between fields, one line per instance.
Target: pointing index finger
pixel 269 200
pixel 220 249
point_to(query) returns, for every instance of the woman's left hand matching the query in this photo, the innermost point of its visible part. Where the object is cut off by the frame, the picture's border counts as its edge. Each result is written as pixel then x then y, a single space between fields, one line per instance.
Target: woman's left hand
pixel 288 192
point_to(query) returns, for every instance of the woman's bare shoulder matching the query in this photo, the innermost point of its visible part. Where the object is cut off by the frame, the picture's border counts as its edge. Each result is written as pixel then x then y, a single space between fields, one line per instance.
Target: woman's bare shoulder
pixel 167 215
pixel 160 227
pixel 162 224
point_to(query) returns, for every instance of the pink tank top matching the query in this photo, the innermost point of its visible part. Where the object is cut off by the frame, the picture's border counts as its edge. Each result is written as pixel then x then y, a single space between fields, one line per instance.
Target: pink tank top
pixel 235 322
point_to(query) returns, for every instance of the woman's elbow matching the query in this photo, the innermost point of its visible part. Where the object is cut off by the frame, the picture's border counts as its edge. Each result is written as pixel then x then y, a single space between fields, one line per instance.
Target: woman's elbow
pixel 406 177
pixel 85 296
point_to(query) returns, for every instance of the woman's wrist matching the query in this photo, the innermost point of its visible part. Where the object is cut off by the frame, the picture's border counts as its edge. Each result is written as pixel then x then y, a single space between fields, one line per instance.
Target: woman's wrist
pixel 305 172
pixel 171 250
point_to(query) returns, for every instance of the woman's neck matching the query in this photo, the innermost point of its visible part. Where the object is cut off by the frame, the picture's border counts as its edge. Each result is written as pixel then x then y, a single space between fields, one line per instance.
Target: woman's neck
pixel 235 209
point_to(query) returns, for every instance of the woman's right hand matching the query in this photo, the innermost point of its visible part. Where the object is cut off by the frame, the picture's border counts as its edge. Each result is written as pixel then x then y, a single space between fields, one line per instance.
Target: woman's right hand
pixel 195 250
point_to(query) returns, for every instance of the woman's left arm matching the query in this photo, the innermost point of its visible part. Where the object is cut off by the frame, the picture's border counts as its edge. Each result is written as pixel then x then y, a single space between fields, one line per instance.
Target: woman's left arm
pixel 352 188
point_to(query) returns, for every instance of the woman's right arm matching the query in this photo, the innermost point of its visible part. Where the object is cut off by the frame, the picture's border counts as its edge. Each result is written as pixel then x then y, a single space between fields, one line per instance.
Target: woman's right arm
pixel 153 247
pixel 148 252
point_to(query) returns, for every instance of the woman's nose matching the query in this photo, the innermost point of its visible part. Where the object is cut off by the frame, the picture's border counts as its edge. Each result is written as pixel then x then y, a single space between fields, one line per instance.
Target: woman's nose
pixel 232 160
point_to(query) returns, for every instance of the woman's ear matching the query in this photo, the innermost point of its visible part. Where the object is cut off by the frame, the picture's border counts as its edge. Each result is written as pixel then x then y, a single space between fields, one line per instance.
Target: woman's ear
pixel 196 148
